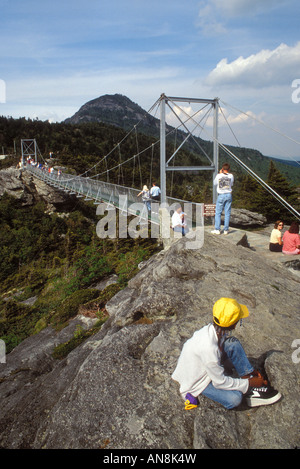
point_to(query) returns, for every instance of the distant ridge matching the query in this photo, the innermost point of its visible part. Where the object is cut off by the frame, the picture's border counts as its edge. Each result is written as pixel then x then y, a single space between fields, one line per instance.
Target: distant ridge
pixel 295 163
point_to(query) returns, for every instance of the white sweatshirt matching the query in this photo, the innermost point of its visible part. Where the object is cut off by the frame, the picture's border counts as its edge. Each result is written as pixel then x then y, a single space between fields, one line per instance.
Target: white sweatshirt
pixel 224 183
pixel 199 364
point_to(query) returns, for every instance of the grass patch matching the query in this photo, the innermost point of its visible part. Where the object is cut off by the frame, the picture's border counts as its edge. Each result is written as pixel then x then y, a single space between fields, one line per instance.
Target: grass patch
pixel 62 350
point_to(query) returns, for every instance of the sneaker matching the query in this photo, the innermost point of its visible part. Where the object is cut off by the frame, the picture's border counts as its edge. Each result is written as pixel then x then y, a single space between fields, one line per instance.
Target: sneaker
pixel 216 232
pixel 262 396
pixel 191 402
pixel 226 232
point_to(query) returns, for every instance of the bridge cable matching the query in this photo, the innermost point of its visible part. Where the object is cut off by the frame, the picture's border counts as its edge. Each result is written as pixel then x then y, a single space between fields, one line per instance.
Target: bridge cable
pixel 257 178
pixel 113 149
pixel 266 125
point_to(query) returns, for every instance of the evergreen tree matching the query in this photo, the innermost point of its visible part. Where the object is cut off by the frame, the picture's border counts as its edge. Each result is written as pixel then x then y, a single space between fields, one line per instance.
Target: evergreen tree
pixel 246 195
pixel 269 206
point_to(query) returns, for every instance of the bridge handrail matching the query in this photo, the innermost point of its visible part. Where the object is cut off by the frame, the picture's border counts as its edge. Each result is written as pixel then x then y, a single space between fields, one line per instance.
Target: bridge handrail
pixel 102 191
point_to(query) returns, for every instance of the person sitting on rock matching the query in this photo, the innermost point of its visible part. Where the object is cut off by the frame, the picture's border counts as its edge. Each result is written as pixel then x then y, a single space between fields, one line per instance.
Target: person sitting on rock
pixel 291 240
pixel 200 367
pixel 275 244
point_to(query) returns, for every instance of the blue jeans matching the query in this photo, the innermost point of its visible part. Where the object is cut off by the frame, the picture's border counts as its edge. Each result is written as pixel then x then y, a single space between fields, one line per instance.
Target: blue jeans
pixel 148 204
pixel 223 203
pixel 181 229
pixel 233 351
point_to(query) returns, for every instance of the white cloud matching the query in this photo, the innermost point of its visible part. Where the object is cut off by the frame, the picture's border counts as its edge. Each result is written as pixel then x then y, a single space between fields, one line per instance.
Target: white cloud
pixel 266 68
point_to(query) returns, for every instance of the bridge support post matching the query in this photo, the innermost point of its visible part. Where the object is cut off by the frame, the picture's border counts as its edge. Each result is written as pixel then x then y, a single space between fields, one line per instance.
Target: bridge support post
pixel 215 147
pixel 163 195
pixel 164 166
pixel 28 148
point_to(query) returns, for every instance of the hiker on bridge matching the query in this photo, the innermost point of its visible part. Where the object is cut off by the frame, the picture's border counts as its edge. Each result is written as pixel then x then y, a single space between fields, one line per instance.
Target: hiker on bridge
pixel 224 182
pixel 155 192
pixel 145 193
pixel 201 365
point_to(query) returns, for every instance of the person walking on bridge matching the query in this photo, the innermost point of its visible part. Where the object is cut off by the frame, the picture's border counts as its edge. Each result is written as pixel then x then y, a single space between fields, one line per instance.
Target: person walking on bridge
pixel 224 182
pixel 155 192
pixel 145 193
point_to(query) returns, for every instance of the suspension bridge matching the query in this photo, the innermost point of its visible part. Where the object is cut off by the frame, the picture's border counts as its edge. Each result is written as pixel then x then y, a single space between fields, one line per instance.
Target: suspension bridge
pixel 127 199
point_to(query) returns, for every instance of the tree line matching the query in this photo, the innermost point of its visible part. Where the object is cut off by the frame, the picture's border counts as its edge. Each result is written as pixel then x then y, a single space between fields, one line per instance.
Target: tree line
pixel 78 147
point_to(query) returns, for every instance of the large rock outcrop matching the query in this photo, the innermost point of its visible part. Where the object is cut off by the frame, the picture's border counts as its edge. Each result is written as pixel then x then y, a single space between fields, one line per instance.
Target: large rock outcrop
pixel 115 390
pixel 241 217
pixel 29 190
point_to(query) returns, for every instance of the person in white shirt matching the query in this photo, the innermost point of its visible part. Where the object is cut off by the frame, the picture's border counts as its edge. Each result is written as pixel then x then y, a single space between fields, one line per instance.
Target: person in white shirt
pixel 200 367
pixel 178 223
pixel 224 182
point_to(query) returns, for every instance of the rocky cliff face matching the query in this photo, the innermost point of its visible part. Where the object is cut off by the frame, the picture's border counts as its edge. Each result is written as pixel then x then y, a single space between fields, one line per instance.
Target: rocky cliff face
pixel 29 190
pixel 115 390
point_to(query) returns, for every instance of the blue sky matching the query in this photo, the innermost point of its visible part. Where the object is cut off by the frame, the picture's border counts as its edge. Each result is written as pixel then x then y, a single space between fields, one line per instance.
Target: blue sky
pixel 57 55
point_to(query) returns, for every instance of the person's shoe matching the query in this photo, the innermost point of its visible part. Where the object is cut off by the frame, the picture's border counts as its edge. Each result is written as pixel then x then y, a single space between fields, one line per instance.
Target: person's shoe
pixel 216 232
pixel 262 396
pixel 226 232
pixel 191 402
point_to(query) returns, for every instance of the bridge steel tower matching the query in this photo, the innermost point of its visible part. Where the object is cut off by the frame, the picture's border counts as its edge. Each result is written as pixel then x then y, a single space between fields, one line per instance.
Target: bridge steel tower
pixel 164 166
pixel 29 148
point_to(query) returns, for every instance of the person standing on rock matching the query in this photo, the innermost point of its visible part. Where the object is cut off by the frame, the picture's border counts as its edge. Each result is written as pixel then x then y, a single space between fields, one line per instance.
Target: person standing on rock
pixel 200 367
pixel 224 182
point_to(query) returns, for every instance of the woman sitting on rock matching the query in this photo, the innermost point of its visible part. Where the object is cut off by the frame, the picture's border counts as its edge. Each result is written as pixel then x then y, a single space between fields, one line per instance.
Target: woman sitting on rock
pixel 291 240
pixel 275 238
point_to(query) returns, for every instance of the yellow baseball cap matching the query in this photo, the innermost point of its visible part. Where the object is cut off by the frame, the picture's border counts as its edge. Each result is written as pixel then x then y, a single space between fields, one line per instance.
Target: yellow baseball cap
pixel 227 312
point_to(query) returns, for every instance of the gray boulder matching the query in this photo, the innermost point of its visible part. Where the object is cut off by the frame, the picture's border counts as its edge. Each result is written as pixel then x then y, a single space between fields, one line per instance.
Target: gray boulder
pixel 243 218
pixel 115 390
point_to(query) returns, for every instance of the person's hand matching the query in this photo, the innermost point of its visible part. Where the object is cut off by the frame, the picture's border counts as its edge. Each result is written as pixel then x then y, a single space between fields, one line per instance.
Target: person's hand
pixel 257 382
pixel 256 379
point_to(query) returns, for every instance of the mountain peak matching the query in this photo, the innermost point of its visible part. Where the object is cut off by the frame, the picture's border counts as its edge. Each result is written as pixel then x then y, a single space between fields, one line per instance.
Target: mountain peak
pixel 114 109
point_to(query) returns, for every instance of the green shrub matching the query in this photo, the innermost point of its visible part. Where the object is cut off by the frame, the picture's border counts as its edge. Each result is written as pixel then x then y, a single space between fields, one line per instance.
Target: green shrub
pixel 69 307
pixel 17 323
pixel 62 350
